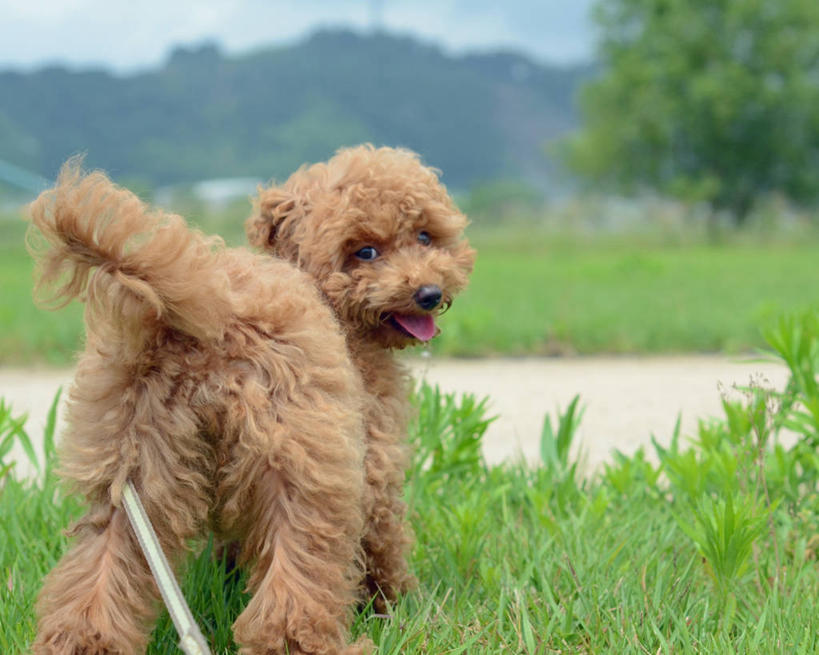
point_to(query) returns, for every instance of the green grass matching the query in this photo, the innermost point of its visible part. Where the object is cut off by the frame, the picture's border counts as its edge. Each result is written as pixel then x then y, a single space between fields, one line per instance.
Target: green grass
pixel 712 550
pixel 545 295
pixel 29 334
pixel 532 293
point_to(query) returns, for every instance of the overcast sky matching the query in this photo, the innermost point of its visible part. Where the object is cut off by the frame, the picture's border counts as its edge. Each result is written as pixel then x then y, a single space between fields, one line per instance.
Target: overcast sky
pixel 127 36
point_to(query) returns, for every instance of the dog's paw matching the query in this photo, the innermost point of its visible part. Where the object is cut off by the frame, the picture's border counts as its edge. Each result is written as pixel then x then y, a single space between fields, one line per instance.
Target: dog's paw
pixel 363 646
pixel 73 642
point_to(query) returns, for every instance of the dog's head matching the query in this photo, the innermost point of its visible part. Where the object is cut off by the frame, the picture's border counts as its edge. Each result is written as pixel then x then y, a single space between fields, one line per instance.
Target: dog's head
pixel 380 235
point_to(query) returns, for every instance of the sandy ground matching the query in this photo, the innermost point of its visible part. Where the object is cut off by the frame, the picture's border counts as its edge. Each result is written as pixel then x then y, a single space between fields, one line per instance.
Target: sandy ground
pixel 626 399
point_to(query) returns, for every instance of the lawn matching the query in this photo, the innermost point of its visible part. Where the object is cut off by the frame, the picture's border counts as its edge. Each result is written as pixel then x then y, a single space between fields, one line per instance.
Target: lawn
pixel 29 334
pixel 713 550
pixel 532 293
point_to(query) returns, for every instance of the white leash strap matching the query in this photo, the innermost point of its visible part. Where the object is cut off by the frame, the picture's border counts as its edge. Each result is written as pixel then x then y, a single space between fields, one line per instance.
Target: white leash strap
pixel 191 640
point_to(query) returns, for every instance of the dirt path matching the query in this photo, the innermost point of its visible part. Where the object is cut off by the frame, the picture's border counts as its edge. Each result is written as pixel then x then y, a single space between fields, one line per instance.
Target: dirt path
pixel 626 399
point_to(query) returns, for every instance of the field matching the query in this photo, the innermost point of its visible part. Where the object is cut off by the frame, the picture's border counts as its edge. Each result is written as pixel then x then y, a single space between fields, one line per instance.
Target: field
pixel 533 292
pixel 713 550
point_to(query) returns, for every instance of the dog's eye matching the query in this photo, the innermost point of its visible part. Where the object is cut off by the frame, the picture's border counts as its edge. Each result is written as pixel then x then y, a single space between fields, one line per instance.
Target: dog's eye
pixel 367 253
pixel 424 239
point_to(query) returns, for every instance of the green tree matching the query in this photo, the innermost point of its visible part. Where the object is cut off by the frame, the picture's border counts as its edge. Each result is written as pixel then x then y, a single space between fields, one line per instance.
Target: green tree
pixel 706 100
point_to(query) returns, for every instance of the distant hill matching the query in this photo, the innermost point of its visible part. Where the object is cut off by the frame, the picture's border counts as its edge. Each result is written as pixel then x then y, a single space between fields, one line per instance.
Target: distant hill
pixel 206 115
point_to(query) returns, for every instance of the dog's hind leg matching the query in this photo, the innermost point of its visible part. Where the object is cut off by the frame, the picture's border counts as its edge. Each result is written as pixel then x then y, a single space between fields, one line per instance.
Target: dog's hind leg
pixel 295 497
pixel 101 598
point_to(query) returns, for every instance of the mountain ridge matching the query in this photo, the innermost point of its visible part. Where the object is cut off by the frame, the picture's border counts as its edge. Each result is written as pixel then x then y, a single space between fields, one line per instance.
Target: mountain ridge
pixel 203 114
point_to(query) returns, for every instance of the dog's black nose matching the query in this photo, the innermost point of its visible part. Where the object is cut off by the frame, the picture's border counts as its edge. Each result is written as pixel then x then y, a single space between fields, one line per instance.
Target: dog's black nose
pixel 428 296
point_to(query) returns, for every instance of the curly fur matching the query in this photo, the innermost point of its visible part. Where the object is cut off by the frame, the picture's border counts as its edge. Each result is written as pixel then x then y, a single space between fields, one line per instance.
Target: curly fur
pixel 250 395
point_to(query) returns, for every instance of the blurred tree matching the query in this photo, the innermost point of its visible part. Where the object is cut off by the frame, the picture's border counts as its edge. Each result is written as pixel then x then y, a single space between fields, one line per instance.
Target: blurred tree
pixel 706 100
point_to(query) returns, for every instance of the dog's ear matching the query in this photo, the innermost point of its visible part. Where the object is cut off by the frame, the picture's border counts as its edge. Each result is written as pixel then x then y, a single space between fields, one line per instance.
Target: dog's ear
pixel 273 209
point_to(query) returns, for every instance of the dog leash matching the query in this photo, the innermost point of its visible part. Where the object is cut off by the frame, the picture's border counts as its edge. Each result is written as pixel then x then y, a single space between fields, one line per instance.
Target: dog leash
pixel 191 640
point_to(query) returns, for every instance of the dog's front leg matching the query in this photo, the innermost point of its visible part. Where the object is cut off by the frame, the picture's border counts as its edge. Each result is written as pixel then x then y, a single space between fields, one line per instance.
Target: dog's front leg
pixel 387 537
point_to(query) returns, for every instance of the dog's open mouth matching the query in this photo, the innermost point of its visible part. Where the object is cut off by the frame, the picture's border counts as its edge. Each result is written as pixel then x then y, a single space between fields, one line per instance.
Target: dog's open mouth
pixel 418 326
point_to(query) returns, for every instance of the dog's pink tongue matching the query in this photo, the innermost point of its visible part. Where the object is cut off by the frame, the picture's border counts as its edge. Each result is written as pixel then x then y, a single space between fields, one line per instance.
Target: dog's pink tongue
pixel 421 327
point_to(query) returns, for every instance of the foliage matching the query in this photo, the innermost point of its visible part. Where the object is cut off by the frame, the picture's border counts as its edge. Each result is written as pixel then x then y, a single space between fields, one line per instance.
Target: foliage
pixel 708 547
pixel 502 201
pixel 12 431
pixel 709 101
pixel 555 443
pixel 447 434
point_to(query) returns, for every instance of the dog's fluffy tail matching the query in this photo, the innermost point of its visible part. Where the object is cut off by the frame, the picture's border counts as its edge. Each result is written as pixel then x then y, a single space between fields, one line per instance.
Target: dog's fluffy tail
pixel 134 268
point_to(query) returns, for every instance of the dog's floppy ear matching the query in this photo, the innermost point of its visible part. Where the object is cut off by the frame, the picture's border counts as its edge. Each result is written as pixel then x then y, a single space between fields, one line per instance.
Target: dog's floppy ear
pixel 273 208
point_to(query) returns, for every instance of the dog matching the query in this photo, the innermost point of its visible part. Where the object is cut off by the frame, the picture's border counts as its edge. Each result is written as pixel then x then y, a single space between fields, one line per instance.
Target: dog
pixel 255 395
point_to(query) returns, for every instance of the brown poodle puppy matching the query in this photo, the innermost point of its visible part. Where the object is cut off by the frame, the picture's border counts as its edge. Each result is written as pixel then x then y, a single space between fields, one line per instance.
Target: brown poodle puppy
pixel 245 395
